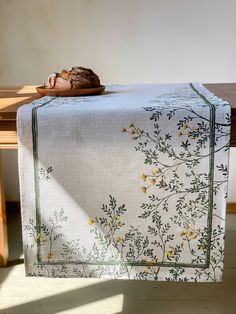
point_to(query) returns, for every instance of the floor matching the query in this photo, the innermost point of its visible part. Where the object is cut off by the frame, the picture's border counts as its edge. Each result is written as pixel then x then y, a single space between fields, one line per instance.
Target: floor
pixel 19 294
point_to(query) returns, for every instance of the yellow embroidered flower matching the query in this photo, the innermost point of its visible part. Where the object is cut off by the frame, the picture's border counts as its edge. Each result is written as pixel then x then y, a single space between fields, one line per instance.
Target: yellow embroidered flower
pixel 195 129
pixel 191 234
pixel 116 217
pixel 143 189
pixel 156 171
pixel 188 233
pixel 189 133
pixel 134 137
pixel 132 131
pixel 90 221
pixel 145 270
pixel 143 177
pixel 152 181
pixel 33 244
pixel 180 133
pixel 123 130
pixel 184 232
pixel 119 239
pixel 169 253
pixel 185 126
pixel 40 238
pixel 131 125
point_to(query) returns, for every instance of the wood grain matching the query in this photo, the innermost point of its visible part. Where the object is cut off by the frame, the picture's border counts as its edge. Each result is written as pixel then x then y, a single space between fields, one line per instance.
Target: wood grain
pixel 231 208
pixel 11 98
pixel 227 91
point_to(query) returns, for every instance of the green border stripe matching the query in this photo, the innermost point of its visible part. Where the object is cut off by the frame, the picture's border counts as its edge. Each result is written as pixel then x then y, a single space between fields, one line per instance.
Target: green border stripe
pixel 211 173
pixel 36 178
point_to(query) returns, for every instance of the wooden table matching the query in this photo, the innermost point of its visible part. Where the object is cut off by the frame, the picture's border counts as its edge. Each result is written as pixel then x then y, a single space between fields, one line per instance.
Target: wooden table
pixel 11 98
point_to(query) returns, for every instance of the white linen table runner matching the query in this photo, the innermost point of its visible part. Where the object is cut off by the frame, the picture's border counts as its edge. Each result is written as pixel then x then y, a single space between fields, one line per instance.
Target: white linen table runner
pixel 129 184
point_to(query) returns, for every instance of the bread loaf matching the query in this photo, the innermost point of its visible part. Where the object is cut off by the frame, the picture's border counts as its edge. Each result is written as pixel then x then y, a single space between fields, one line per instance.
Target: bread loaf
pixel 77 77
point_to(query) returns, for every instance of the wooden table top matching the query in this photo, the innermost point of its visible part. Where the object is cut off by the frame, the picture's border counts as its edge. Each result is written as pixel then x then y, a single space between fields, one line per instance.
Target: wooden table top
pixel 11 98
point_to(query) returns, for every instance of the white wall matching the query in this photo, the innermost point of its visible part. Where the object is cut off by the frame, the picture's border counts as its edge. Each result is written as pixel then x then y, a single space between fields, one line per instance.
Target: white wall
pixel 124 41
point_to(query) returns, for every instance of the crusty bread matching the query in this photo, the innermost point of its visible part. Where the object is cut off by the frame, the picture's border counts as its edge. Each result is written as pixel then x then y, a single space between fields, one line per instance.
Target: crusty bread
pixel 77 77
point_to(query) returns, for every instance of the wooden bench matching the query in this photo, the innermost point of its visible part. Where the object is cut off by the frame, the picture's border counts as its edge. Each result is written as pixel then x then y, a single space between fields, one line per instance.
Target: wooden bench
pixel 11 98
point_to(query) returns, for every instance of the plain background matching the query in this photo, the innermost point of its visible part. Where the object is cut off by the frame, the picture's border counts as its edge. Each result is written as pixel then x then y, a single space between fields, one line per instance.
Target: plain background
pixel 124 41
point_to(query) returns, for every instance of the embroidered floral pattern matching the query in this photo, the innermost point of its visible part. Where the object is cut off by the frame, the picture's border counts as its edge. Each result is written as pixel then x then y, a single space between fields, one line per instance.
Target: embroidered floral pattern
pixel 181 244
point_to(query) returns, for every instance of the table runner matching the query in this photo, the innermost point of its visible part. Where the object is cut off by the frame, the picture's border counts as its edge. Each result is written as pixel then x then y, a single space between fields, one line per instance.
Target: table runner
pixel 129 184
